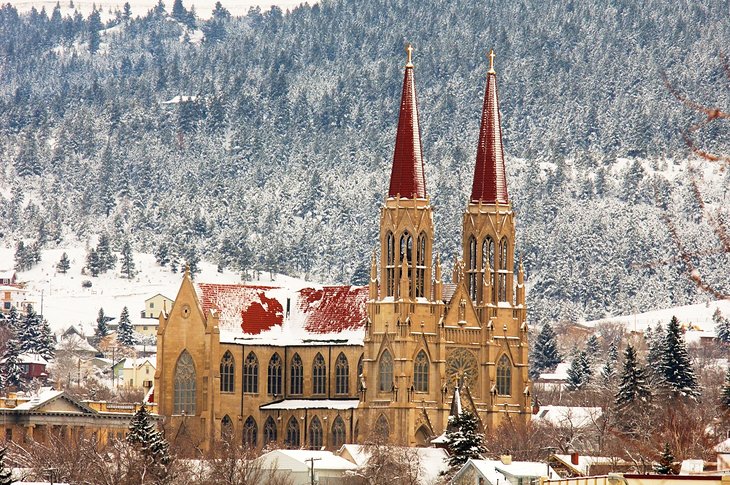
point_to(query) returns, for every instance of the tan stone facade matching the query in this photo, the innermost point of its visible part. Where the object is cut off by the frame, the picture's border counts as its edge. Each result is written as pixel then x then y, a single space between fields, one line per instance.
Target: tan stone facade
pixel 391 373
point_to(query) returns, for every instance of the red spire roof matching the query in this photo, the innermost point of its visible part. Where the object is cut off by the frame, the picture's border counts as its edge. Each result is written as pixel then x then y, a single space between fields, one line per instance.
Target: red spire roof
pixel 407 178
pixel 490 181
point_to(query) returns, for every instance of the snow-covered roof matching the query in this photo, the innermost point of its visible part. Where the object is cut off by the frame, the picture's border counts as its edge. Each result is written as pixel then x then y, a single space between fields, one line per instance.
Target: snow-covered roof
pixel 44 395
pixel 574 416
pixel 723 447
pixel 12 288
pixel 7 274
pixel 32 359
pixel 433 461
pixel 130 363
pixel 287 316
pixel 180 99
pixel 559 374
pixel 296 460
pixel 312 404
pixel 495 471
pixel 585 462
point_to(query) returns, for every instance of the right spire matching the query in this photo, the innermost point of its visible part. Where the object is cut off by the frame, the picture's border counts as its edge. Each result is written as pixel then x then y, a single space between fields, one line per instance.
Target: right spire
pixel 490 181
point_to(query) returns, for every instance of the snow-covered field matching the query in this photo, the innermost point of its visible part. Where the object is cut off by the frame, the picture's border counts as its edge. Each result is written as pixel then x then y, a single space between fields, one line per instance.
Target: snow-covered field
pixel 203 8
pixel 64 302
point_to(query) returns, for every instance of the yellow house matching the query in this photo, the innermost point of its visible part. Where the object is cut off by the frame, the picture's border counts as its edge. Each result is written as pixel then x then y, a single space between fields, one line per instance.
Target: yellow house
pixel 138 373
pixel 319 366
pixel 146 326
pixel 154 305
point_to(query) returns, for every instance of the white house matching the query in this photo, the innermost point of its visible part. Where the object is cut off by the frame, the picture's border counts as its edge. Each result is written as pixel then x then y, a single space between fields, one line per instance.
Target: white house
pixel 503 471
pixel 329 469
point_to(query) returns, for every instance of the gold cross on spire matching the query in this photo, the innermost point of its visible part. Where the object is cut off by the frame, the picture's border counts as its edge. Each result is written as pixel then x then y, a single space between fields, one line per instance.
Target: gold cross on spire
pixel 491 62
pixel 409 49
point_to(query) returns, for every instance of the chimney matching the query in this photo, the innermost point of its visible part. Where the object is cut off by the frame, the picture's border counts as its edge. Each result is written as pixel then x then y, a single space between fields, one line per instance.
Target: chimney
pixel 574 458
pixel 506 459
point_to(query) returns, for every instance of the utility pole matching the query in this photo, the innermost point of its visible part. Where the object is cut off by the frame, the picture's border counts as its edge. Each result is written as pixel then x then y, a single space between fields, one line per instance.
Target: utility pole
pixel 311 468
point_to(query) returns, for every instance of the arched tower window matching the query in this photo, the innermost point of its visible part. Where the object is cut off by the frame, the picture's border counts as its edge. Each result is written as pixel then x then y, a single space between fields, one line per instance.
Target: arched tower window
pixel 227 372
pixel 406 254
pixel 359 372
pixel 389 264
pixel 472 268
pixel 250 432
pixel 269 431
pixel 251 373
pixel 274 375
pixel 421 266
pixel 338 432
pixel 420 372
pixel 315 434
pixel 342 375
pixel 226 429
pixel 504 376
pixel 385 372
pixel 184 393
pixel 319 375
pixel 488 259
pixel 296 372
pixel 503 265
pixel 382 429
pixel 292 433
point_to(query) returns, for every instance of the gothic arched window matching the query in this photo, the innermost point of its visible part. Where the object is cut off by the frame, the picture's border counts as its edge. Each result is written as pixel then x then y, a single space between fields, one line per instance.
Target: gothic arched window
pixel 184 392
pixel 389 264
pixel 269 431
pixel 406 254
pixel 420 372
pixel 296 371
pixel 342 375
pixel 274 375
pixel 421 265
pixel 385 372
pixel 319 375
pixel 250 432
pixel 472 268
pixel 503 270
pixel 382 429
pixel 226 429
pixel 338 432
pixel 488 261
pixel 227 372
pixel 292 433
pixel 315 434
pixel 504 376
pixel 359 372
pixel 251 373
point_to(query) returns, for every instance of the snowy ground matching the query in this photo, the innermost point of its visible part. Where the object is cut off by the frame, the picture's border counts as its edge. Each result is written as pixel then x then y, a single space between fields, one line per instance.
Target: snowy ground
pixel 203 8
pixel 65 302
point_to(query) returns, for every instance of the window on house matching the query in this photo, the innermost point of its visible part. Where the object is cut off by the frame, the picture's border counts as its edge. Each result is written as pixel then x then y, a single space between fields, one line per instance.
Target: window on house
pixel 504 376
pixel 342 375
pixel 319 375
pixel 251 373
pixel 296 383
pixel 274 375
pixel 315 434
pixel 420 372
pixel 184 385
pixel 385 372
pixel 227 371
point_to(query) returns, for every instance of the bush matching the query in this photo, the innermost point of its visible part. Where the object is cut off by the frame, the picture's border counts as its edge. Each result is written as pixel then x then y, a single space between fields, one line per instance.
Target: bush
pixel 86 284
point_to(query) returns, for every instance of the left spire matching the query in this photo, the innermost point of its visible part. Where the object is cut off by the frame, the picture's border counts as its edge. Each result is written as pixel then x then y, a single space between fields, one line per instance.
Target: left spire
pixel 407 179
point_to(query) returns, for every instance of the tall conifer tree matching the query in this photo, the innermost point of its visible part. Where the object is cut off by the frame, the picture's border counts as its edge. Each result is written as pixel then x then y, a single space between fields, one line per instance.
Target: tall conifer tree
pixel 676 366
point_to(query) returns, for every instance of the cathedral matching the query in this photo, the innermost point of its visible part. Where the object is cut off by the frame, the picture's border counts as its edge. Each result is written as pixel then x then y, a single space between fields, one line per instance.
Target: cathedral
pixel 311 366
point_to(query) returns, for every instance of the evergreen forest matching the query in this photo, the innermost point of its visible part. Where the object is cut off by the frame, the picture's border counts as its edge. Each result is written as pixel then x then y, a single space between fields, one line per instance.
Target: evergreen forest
pixel 264 142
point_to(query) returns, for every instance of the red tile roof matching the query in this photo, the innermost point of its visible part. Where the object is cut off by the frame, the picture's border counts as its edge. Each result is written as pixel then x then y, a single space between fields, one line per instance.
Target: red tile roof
pixel 407 177
pixel 254 309
pixel 490 182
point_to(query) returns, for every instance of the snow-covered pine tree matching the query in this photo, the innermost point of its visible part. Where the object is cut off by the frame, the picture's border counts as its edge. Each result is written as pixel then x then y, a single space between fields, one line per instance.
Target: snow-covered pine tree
pixel 125 333
pixel 46 345
pixel 21 256
pixel 14 320
pixel 666 462
pixel 655 343
pixel 144 435
pixel 545 355
pixel 722 326
pixel 63 264
pixel 127 261
pixel 464 440
pixel 676 366
pixel 608 371
pixel 725 395
pixel 12 375
pixel 633 388
pixel 92 263
pixel 580 372
pixel 162 255
pixel 592 348
pixel 102 330
pixel 29 333
pixel 6 474
pixel 107 259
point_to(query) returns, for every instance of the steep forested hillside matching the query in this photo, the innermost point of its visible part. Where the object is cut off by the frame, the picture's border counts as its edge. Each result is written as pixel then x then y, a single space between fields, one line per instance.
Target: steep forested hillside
pixel 279 155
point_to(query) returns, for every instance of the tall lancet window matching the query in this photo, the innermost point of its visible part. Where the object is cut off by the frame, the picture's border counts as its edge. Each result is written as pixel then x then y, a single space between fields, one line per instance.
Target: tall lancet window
pixel 488 259
pixel 421 266
pixel 406 254
pixel 389 264
pixel 504 376
pixel 503 265
pixel 472 268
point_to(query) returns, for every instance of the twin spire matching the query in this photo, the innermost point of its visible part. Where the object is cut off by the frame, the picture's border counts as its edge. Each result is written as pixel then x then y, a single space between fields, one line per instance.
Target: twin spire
pixel 407 178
